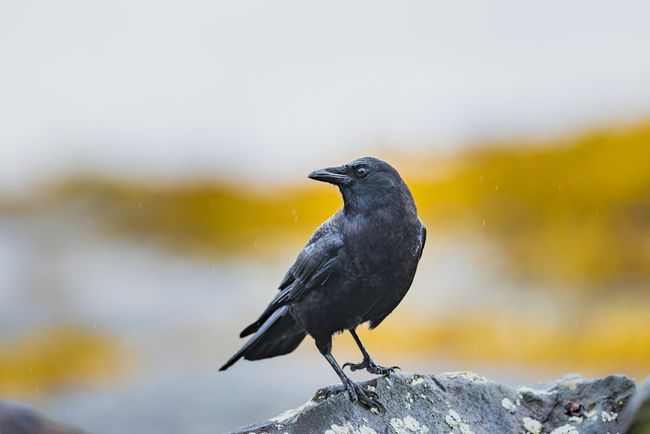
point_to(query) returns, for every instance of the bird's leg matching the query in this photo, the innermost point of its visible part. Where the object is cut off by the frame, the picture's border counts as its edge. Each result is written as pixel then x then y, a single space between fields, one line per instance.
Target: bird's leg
pixel 368 399
pixel 367 363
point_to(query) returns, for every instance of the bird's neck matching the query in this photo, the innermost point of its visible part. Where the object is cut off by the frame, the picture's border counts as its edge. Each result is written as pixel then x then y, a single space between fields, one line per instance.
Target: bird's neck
pixel 391 205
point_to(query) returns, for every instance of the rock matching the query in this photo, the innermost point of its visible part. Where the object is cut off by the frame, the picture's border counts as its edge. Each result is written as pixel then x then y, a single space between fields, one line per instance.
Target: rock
pixel 466 403
pixel 636 416
pixel 20 419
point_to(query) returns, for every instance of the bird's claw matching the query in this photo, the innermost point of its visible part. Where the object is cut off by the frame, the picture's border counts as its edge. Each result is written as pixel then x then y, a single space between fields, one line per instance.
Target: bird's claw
pixel 380 370
pixel 353 366
pixel 371 367
pixel 367 399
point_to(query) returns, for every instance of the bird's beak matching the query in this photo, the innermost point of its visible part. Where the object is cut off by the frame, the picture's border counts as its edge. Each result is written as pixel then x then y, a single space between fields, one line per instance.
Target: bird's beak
pixel 333 175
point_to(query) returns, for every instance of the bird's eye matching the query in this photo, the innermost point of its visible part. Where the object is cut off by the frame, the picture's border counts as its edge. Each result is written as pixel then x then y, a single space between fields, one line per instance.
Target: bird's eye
pixel 361 171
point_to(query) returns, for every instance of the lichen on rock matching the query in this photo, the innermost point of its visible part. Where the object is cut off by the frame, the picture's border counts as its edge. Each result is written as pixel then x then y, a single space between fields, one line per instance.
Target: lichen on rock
pixel 466 403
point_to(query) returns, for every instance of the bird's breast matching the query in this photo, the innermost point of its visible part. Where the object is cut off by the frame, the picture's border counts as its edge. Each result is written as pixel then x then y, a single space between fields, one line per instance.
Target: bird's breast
pixel 381 249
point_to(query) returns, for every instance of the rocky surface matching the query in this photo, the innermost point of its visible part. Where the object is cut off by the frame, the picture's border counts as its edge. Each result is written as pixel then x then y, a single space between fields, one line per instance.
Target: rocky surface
pixel 465 403
pixel 636 416
pixel 20 419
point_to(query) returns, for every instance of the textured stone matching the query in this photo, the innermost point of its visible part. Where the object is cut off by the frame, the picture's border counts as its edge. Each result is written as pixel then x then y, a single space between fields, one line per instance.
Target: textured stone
pixel 466 403
pixel 20 419
pixel 636 416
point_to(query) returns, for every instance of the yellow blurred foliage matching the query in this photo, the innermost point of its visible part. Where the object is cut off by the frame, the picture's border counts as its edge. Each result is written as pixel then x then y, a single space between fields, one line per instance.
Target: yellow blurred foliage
pixel 576 210
pixel 573 210
pixel 595 339
pixel 39 362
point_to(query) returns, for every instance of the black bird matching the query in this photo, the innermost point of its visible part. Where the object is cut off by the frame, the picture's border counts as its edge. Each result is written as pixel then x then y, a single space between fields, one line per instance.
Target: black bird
pixel 356 268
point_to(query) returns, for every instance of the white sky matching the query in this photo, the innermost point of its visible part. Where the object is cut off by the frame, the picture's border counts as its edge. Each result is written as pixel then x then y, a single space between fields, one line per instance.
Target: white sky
pixel 273 89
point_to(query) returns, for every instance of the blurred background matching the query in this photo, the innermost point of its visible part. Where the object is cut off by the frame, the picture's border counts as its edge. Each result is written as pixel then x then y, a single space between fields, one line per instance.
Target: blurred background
pixel 153 193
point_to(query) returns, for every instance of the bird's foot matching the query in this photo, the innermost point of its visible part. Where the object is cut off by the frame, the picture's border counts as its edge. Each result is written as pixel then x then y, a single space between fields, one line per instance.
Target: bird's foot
pixel 370 366
pixel 366 398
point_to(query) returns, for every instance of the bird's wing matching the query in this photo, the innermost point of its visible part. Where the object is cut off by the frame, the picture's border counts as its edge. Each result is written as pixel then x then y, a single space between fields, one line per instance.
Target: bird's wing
pixel 314 265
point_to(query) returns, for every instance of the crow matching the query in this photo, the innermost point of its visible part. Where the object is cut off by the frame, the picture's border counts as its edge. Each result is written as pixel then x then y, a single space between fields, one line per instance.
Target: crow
pixel 356 268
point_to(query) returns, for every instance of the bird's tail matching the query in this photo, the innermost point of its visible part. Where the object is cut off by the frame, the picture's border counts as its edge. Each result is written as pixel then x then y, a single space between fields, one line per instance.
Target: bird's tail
pixel 278 335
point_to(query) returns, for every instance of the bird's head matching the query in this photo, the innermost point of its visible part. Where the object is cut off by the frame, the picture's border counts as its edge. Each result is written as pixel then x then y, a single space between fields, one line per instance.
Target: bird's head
pixel 366 183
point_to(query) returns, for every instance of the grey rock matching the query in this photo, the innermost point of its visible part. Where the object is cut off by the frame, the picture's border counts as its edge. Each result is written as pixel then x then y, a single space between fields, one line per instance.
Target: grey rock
pixel 465 403
pixel 636 416
pixel 19 419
